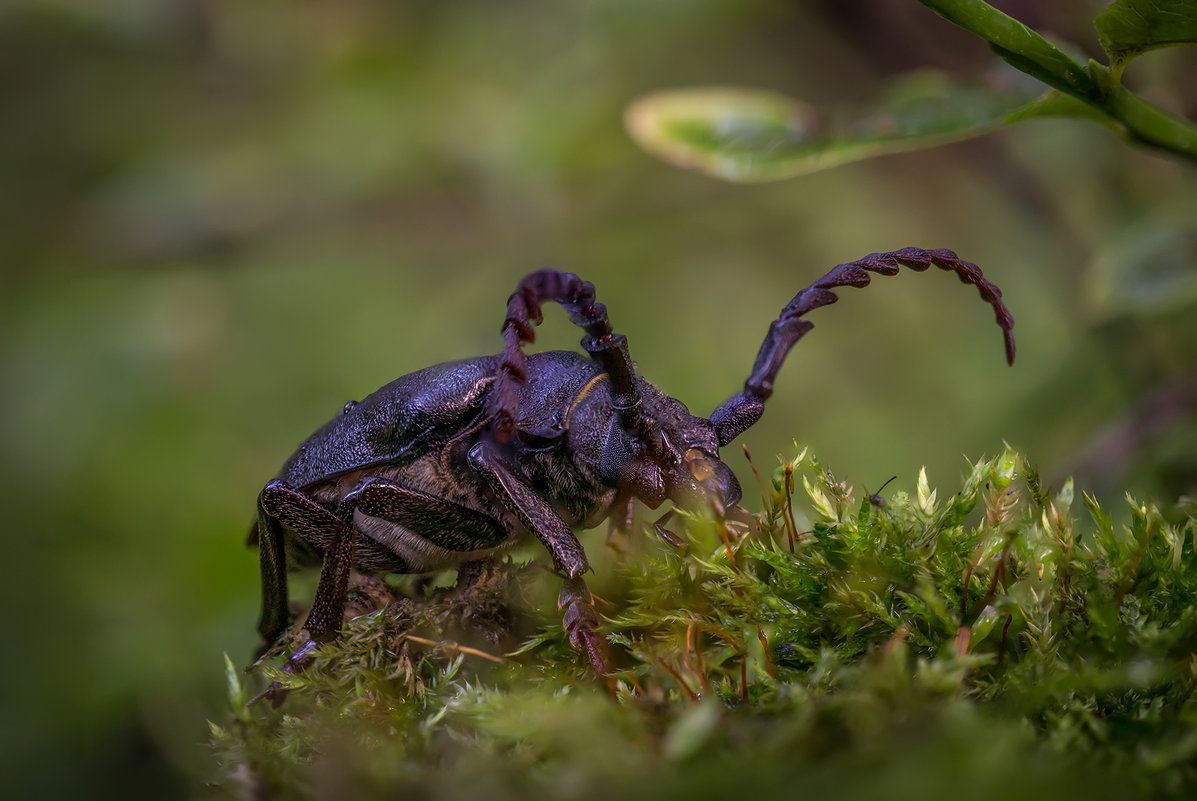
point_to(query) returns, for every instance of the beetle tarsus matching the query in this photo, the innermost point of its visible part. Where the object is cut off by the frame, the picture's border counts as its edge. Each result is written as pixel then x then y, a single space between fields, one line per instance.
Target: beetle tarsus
pixel 581 622
pixel 297 663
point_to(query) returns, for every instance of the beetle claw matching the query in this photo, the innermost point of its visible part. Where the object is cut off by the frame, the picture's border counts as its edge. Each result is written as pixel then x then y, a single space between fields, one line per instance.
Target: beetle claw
pixel 667 535
pixel 297 663
pixel 581 623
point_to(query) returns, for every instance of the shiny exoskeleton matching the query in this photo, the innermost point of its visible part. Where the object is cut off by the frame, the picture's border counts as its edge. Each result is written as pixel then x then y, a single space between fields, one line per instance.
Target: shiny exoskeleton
pixel 457 461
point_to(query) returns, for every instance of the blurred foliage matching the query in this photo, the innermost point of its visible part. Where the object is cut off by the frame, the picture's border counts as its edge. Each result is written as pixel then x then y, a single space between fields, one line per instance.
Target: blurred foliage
pixel 221 220
pixel 994 638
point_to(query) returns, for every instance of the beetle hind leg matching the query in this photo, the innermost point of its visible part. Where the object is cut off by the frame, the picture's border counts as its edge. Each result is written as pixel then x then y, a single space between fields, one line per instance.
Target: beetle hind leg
pixel 461 532
pixel 279 505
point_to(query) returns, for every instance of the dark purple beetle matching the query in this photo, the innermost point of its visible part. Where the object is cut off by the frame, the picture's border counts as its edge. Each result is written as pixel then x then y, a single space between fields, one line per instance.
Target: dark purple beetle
pixel 456 462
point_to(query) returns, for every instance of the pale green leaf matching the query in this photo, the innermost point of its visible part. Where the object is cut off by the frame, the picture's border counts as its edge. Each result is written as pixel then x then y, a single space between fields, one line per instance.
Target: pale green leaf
pixel 1005 468
pixel 235 690
pixel 749 135
pixel 1065 496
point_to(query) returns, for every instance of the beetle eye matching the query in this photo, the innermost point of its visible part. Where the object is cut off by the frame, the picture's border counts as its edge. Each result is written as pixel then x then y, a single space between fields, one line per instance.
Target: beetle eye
pixel 638 450
pixel 348 407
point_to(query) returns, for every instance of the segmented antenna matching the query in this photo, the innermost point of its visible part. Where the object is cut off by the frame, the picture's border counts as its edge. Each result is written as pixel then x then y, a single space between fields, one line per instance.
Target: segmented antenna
pixel 790 327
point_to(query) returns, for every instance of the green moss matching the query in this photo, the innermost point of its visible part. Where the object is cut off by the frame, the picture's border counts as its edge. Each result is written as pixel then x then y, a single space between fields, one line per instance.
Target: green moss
pixel 994 642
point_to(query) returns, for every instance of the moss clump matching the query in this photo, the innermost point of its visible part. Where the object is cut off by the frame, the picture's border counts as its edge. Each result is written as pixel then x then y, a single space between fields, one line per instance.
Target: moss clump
pixel 992 643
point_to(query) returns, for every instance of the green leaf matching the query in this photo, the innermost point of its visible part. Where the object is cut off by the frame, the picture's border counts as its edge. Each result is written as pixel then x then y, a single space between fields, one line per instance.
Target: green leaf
pixel 1101 519
pixel 926 495
pixel 1005 468
pixel 1130 27
pixel 985 622
pixel 749 135
pixel 822 503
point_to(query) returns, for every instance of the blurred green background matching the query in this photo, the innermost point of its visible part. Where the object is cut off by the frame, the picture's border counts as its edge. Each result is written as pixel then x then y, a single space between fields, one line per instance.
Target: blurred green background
pixel 221 220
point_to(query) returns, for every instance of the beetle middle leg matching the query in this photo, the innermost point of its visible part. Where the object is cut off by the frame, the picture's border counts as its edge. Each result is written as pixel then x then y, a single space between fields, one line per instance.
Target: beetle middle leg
pixel 415 526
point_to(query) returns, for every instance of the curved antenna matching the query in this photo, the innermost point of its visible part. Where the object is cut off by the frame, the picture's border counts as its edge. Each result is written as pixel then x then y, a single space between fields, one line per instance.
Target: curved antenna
pixel 606 347
pixel 741 411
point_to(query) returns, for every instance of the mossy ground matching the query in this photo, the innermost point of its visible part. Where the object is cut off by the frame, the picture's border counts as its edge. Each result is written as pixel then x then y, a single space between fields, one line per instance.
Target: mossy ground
pixel 995 643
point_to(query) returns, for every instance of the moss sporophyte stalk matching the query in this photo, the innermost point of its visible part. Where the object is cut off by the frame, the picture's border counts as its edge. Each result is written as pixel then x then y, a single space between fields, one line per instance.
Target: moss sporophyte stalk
pixel 996 634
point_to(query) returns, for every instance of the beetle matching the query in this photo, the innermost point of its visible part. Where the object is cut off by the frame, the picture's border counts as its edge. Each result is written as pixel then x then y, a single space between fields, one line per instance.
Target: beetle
pixel 875 499
pixel 458 461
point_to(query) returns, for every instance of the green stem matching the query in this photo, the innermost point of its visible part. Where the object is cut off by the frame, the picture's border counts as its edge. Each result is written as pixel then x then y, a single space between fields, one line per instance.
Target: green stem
pixel 1144 122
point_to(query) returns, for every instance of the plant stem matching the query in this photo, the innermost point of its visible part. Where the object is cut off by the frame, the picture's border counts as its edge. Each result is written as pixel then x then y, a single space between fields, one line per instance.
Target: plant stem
pixel 1096 86
pixel 1144 122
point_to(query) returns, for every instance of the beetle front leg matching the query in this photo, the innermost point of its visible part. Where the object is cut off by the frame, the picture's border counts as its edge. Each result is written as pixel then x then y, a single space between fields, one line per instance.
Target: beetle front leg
pixel 581 622
pixel 531 510
pixel 579 617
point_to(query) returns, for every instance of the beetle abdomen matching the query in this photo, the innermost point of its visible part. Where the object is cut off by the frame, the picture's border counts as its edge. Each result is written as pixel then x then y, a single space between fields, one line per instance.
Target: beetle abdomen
pixel 418 553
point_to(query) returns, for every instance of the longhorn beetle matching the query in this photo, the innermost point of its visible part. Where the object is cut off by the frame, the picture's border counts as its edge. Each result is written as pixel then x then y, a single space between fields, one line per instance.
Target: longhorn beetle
pixel 457 461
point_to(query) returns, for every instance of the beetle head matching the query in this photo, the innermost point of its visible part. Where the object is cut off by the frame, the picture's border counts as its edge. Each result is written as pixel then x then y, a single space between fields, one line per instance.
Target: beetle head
pixel 672 455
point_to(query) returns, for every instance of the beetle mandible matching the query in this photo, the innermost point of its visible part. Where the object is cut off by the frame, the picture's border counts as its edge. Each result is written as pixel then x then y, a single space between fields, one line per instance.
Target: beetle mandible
pixel 457 461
